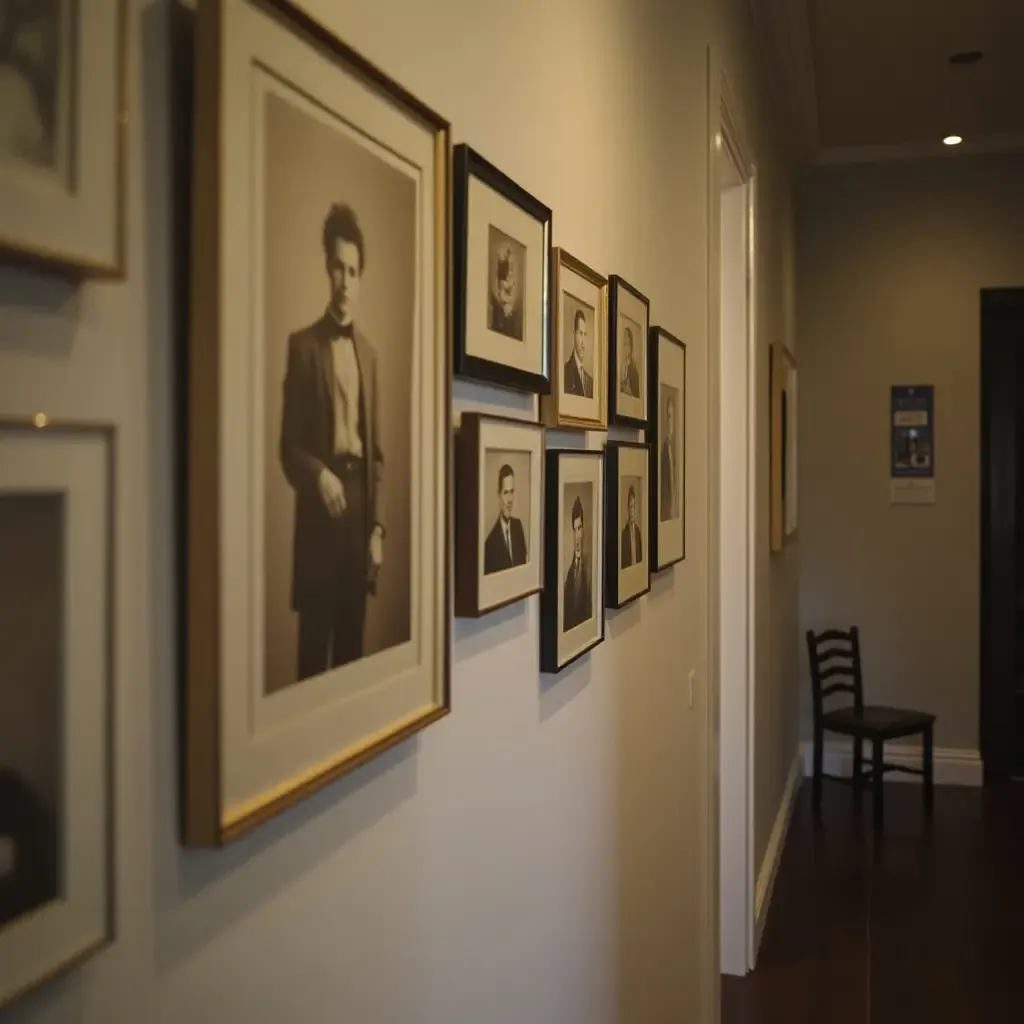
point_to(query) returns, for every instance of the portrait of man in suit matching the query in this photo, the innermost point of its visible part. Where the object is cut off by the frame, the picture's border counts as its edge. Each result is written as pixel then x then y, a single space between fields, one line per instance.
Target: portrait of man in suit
pixel 575 379
pixel 331 455
pixel 505 546
pixel 507 259
pixel 668 507
pixel 629 378
pixel 577 595
pixel 632 542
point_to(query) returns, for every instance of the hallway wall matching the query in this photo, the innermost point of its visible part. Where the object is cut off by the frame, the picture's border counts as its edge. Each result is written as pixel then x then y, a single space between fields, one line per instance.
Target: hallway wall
pixel 540 854
pixel 890 263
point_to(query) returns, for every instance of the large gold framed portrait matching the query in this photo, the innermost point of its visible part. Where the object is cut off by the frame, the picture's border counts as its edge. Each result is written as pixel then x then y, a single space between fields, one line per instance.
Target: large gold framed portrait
pixel 318 602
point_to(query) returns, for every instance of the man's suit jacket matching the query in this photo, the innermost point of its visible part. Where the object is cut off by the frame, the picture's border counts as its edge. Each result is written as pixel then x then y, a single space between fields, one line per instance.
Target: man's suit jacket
pixel 668 484
pixel 574 383
pixel 638 547
pixel 576 596
pixel 496 553
pixel 632 381
pixel 307 447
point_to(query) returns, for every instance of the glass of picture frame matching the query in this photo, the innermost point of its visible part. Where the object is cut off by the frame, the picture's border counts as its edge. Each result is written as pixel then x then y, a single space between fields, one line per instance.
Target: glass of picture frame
pixel 319 402
pixel 666 434
pixel 626 522
pixel 499 512
pixel 56 635
pixel 502 300
pixel 579 390
pixel 629 314
pixel 62 135
pixel 572 604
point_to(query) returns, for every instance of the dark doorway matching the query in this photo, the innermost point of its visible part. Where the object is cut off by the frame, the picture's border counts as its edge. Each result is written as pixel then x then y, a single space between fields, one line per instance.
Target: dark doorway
pixel 1002 533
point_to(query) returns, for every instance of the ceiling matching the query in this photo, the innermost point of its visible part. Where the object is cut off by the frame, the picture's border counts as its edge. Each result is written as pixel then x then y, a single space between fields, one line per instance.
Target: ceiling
pixel 871 79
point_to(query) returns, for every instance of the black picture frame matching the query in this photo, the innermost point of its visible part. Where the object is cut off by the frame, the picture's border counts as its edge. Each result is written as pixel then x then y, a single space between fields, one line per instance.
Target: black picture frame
pixel 468 163
pixel 615 414
pixel 552 594
pixel 612 526
pixel 655 336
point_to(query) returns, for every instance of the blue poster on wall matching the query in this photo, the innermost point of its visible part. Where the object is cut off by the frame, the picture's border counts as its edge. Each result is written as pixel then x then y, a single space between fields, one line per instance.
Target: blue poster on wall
pixel 913 431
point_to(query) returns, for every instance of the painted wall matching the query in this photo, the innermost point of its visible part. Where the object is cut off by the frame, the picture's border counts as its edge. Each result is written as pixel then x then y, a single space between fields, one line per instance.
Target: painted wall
pixel 890 264
pixel 541 853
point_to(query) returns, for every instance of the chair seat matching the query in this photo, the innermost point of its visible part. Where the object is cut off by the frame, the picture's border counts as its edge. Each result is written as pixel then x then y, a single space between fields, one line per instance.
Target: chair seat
pixel 875 720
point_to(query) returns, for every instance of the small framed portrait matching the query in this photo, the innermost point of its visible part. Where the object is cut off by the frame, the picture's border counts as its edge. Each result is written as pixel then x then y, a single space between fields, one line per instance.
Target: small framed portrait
pixel 499 512
pixel 502 278
pixel 319 417
pixel 63 121
pixel 627 522
pixel 628 323
pixel 56 621
pixel 572 605
pixel 666 433
pixel 579 391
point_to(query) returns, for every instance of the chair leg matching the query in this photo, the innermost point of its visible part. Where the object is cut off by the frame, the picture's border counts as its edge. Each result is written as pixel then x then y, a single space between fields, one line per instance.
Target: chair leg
pixel 819 768
pixel 929 772
pixel 878 782
pixel 858 769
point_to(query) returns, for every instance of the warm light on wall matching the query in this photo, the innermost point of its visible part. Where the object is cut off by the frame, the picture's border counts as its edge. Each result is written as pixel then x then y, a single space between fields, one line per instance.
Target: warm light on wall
pixel 952 140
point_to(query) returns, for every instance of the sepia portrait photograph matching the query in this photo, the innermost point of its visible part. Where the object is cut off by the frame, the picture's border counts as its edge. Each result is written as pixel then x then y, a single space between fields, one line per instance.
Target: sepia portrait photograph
pixel 572 604
pixel 56 556
pixel 502 278
pixel 578 395
pixel 627 487
pixel 331 408
pixel 498 512
pixel 666 434
pixel 628 319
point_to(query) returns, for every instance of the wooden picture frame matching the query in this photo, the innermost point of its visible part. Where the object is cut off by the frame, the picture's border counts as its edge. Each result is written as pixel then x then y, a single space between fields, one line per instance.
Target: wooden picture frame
pixel 783 405
pixel 56 698
pixel 62 188
pixel 579 393
pixel 306 585
pixel 502 299
pixel 499 513
pixel 666 432
pixel 572 603
pixel 627 540
pixel 629 320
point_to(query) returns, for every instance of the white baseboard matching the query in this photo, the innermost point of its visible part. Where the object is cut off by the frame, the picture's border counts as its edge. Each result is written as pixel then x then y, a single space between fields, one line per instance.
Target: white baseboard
pixel 773 855
pixel 954 766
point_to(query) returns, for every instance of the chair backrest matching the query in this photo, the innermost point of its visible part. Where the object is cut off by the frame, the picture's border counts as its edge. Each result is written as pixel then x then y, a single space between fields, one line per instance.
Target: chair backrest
pixel 835 666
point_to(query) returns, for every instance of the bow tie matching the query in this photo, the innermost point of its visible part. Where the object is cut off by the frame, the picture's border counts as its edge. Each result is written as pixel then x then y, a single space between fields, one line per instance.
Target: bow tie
pixel 336 330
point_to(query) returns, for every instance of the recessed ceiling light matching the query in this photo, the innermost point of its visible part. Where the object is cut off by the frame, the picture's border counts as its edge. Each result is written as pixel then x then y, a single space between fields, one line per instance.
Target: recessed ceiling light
pixel 966 57
pixel 952 140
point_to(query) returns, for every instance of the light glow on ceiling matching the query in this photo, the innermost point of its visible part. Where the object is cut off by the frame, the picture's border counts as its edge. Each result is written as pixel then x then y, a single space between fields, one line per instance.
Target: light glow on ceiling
pixel 952 140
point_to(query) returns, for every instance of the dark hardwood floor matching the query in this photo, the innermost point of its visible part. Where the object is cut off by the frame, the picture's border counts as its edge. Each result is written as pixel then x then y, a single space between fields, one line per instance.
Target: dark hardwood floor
pixel 927 925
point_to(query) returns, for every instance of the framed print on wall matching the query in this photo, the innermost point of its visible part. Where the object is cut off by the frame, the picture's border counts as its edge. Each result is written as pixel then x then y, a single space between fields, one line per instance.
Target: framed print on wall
pixel 63 121
pixel 629 315
pixel 56 622
pixel 666 433
pixel 571 604
pixel 783 493
pixel 499 512
pixel 502 278
pixel 319 426
pixel 579 393
pixel 626 522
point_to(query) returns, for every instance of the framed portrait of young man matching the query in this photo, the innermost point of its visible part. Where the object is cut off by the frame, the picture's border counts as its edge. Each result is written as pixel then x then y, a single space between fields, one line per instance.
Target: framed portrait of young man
pixel 502 238
pixel 319 433
pixel 628 323
pixel 572 602
pixel 499 512
pixel 627 522
pixel 666 434
pixel 578 396
pixel 63 124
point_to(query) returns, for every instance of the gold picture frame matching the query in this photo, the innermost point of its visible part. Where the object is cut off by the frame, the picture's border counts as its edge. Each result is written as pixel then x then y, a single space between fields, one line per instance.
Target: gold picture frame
pixel 251 751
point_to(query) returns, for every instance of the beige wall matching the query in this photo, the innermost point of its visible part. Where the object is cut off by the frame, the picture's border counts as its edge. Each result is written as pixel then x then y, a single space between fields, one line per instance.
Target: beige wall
pixel 540 854
pixel 890 264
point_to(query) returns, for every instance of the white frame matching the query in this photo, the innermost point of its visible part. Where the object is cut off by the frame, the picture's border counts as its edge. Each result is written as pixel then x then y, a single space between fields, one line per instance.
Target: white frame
pixel 76 460
pixel 77 226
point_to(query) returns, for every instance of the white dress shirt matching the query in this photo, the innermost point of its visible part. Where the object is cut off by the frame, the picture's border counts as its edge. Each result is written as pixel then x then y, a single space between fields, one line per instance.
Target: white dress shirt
pixel 346 398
